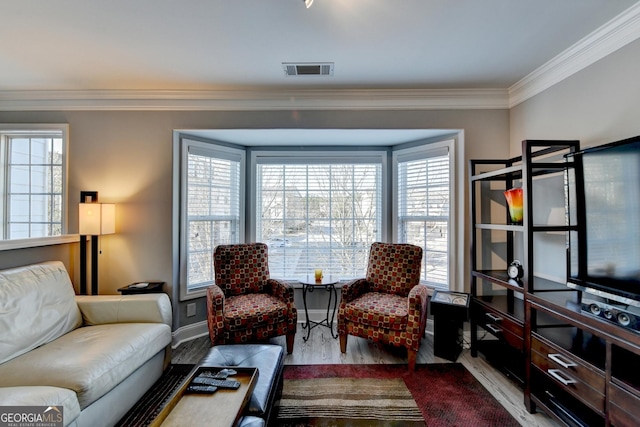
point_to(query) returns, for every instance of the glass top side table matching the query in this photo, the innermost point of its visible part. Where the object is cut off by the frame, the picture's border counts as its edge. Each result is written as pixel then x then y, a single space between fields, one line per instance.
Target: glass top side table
pixel 328 284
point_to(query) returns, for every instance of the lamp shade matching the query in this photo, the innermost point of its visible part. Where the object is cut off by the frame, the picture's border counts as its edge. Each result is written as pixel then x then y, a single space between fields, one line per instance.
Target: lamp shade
pixel 95 219
pixel 108 218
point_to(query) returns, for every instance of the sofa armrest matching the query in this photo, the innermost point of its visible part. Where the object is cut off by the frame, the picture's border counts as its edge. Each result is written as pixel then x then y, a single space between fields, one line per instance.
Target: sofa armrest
pixel 145 308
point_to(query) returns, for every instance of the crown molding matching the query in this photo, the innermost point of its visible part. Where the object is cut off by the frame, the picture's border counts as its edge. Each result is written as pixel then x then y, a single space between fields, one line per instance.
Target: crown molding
pixel 617 33
pixel 246 100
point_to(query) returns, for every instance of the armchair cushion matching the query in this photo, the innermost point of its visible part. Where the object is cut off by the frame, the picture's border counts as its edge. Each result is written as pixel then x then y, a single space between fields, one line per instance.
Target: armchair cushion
pixel 378 310
pixel 253 310
pixel 241 269
pixel 392 267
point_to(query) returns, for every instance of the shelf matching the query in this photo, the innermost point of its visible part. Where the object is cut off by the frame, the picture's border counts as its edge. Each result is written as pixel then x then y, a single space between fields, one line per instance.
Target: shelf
pixel 501 227
pixel 552 228
pixel 511 172
pixel 519 314
pixel 499 277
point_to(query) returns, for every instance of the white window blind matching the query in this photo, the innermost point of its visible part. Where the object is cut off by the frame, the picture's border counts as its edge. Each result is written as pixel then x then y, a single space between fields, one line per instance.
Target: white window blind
pixel 34 181
pixel 213 206
pixel 423 210
pixel 315 213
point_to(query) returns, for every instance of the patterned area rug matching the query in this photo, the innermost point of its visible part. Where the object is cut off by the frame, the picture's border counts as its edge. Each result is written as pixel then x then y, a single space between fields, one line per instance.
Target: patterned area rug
pixel 348 402
pixel 438 395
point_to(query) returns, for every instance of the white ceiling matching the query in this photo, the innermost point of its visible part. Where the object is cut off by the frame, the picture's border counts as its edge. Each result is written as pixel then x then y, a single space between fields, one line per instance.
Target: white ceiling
pixel 228 54
pixel 231 44
pixel 318 137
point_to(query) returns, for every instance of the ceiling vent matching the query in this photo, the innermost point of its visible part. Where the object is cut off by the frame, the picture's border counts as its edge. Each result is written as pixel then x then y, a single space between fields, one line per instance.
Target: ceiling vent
pixel 308 68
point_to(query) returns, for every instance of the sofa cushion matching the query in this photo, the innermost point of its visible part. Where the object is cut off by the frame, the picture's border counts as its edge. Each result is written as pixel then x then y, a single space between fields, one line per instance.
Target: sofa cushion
pixel 89 360
pixel 37 305
pixel 42 396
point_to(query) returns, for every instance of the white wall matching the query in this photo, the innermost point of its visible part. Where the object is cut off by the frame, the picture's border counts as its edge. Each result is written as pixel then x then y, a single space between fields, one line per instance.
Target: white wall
pixel 599 104
pixel 127 157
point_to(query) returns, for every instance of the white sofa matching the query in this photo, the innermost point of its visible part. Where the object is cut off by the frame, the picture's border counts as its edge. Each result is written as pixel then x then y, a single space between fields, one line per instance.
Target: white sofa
pixel 94 355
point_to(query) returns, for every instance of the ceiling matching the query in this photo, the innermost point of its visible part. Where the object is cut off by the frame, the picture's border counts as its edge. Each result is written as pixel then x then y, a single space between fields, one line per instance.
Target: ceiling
pixel 240 45
pixel 318 137
pixel 228 54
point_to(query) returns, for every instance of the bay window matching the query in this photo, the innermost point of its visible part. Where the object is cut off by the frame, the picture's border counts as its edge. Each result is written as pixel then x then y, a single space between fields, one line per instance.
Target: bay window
pixel 319 208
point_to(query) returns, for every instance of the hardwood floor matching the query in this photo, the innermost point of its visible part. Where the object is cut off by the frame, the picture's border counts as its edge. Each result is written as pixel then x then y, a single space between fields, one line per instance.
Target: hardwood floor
pixel 321 348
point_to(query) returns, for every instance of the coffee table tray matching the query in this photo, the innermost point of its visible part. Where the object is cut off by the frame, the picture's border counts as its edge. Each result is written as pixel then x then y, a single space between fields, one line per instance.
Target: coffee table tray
pixel 222 408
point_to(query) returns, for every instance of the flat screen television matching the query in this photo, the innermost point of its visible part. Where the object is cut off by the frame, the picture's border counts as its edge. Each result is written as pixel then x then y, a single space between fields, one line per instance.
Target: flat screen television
pixel 604 205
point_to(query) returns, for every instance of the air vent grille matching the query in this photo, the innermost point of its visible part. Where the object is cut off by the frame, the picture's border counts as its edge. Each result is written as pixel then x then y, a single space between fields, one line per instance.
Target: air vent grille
pixel 308 68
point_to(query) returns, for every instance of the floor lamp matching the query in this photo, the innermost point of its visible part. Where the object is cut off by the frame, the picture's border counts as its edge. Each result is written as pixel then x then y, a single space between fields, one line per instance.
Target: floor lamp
pixel 94 219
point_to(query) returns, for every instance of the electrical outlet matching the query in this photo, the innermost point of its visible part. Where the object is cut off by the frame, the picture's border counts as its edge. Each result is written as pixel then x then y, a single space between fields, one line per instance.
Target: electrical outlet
pixel 191 309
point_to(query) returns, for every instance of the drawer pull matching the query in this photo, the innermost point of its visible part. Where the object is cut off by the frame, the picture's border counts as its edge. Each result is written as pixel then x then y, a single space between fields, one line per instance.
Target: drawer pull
pixel 494 329
pixel 555 373
pixel 493 317
pixel 558 359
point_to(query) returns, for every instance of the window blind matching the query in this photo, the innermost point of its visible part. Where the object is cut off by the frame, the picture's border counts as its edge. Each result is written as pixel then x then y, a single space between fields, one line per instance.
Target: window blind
pixel 213 204
pixel 318 214
pixel 423 210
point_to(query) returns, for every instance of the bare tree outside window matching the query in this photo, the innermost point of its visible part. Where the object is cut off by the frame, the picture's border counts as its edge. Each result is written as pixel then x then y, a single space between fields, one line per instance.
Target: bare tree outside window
pixel 213 210
pixel 318 216
pixel 423 200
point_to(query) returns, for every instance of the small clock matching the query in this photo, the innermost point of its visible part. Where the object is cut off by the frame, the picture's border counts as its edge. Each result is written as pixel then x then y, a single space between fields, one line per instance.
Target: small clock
pixel 515 270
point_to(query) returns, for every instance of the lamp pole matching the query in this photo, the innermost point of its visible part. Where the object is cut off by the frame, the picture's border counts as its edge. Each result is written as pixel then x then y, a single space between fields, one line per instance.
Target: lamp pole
pixel 88 197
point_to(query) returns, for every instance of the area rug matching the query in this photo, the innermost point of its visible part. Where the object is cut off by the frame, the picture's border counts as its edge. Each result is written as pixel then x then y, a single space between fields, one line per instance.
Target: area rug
pixel 443 395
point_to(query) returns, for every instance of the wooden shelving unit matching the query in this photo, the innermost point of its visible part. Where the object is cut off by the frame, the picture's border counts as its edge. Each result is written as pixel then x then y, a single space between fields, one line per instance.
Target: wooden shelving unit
pixel 579 369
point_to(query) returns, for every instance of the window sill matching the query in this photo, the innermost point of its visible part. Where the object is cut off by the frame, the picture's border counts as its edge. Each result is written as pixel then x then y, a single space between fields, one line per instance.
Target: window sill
pixel 7 245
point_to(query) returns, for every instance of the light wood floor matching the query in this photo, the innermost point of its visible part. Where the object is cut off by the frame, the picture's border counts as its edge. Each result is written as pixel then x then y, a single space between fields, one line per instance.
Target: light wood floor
pixel 321 348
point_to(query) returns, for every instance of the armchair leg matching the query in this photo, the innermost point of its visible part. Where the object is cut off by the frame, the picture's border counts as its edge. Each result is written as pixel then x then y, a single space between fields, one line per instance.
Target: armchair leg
pixel 290 339
pixel 343 343
pixel 411 355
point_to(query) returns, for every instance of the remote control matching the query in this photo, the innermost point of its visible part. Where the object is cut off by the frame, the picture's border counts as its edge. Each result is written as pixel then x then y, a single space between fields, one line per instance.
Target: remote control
pixel 207 389
pixel 216 382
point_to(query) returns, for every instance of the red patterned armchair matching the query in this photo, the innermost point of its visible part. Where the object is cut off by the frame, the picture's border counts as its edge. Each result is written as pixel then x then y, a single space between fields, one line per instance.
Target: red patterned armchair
pixel 390 304
pixel 246 305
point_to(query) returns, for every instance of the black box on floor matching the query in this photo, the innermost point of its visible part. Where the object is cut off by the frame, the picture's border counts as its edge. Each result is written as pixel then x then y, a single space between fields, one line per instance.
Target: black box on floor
pixel 450 310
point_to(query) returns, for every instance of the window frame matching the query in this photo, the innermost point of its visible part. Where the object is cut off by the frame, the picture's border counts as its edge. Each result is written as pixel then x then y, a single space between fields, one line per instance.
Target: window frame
pixel 422 151
pixel 183 152
pixel 319 156
pixel 36 128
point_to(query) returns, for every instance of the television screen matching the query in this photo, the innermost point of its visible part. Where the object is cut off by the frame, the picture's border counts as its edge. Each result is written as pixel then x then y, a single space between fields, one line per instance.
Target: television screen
pixel 605 250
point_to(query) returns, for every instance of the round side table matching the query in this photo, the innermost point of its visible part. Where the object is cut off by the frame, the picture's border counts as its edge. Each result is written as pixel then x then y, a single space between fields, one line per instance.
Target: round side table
pixel 328 284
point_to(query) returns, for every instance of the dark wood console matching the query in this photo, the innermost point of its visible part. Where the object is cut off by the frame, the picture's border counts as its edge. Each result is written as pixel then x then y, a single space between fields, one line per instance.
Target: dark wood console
pixel 579 368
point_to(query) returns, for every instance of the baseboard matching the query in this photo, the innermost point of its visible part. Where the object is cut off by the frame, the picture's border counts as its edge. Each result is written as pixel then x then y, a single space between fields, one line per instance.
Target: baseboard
pixel 188 333
pixel 200 329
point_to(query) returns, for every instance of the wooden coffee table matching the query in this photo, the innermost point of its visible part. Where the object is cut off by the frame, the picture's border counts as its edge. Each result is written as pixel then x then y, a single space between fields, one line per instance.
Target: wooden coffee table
pixel 220 409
